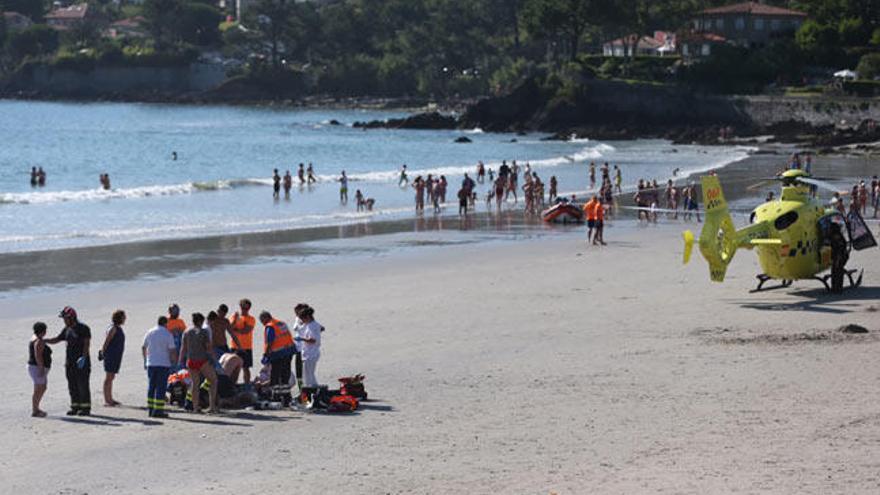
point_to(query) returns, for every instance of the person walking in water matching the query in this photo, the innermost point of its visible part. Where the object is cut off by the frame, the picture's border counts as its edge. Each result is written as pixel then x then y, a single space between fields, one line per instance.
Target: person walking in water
pixel 288 183
pixel 311 174
pixel 78 367
pixel 343 188
pixel 276 184
pixel 39 362
pixel 404 180
pixel 159 352
pixel 41 177
pixel 34 177
pixel 111 354
pixel 301 174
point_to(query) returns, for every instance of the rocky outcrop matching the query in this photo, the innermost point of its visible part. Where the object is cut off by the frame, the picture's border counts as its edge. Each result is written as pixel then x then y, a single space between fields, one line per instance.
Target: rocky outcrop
pixel 429 120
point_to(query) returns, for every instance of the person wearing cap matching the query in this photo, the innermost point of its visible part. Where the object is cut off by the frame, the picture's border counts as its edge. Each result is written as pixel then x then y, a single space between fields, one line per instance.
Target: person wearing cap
pixel 78 367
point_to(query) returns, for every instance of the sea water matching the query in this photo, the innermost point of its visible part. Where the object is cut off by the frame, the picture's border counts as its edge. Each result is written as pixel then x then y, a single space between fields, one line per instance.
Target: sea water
pixel 220 182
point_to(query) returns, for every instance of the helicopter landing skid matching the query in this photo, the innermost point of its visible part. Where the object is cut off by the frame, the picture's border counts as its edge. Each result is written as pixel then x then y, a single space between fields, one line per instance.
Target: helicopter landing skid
pixel 849 274
pixel 762 279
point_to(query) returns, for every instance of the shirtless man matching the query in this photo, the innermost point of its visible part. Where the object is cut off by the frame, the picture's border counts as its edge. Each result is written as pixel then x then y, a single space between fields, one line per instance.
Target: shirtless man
pixel 552 192
pixel 197 356
pixel 301 174
pixel 311 174
pixel 592 175
pixel 276 183
pixel 404 180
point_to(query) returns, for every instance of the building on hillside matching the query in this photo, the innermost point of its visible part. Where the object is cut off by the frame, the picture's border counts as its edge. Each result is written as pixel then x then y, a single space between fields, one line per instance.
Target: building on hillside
pixel 130 28
pixel 697 45
pixel 748 24
pixel 63 18
pixel 662 43
pixel 16 21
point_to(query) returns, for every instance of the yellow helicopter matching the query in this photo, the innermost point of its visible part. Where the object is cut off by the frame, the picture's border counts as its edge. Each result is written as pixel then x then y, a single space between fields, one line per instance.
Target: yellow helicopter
pixel 797 236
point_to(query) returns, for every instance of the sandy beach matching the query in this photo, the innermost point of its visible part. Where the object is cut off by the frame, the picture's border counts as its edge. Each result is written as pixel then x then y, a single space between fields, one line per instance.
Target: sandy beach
pixel 540 366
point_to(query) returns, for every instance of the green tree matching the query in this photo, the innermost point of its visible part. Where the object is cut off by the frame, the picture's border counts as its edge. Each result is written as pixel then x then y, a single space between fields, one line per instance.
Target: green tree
pixel 198 23
pixel 83 34
pixel 34 41
pixel 35 9
pixel 161 20
pixel 869 66
pixel 274 22
pixel 564 21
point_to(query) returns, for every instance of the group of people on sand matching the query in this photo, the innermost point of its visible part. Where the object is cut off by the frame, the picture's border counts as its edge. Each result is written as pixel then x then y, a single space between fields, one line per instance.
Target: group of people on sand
pixel 38 177
pixel 214 350
pixel 305 176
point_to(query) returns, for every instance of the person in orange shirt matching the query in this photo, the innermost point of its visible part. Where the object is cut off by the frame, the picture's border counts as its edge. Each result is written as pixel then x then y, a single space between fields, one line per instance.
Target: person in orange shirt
pixel 243 327
pixel 590 210
pixel 176 326
pixel 599 236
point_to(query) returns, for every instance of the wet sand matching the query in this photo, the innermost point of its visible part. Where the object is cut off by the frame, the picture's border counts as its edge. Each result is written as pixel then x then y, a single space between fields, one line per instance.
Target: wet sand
pixel 541 366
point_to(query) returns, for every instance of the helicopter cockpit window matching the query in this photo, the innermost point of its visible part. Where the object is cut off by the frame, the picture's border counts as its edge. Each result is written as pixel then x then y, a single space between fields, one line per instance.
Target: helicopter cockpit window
pixel 785 221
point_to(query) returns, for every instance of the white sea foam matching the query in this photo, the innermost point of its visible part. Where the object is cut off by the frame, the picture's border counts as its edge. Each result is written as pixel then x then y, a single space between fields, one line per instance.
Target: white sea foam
pixel 382 176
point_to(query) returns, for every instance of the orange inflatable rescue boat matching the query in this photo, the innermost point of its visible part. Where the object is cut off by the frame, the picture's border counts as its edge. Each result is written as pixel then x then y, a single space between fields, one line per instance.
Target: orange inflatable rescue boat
pixel 563 212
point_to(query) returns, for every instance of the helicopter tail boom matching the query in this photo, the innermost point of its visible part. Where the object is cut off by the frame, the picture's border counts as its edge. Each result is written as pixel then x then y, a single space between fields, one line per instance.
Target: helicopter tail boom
pixel 718 239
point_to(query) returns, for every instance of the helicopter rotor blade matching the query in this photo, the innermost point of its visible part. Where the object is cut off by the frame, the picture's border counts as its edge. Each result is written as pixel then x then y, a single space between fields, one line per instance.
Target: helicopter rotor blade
pixel 763 183
pixel 822 185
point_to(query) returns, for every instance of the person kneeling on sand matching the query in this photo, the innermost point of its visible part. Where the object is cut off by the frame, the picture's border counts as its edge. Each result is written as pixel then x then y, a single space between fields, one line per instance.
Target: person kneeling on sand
pixel 196 353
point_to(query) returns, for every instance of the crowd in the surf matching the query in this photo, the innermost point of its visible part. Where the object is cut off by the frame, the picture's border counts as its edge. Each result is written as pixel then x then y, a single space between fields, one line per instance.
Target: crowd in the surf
pixel 683 199
pixel 208 354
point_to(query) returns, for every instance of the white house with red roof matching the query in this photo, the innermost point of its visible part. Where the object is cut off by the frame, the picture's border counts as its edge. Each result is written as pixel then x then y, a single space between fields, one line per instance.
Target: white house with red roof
pixel 63 18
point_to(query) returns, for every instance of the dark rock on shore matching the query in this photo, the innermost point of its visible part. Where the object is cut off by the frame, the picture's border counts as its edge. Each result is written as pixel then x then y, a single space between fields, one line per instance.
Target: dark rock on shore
pixel 430 120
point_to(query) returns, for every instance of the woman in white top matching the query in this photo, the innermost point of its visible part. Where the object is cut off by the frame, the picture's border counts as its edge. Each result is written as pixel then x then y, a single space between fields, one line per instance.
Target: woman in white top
pixel 309 338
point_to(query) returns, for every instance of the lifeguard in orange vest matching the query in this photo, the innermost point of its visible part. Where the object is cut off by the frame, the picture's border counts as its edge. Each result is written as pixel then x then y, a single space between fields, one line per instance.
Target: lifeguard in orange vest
pixel 278 350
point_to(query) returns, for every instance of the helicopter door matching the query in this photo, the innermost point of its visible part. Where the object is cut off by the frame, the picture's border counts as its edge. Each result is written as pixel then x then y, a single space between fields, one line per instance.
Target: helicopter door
pixel 859 234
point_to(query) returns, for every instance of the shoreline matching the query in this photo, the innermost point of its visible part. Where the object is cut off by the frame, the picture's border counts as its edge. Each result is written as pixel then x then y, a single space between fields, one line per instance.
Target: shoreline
pixel 57 268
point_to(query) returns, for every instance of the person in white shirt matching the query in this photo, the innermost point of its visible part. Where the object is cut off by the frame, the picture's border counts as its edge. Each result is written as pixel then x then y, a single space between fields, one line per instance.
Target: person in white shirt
pixel 309 340
pixel 159 352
